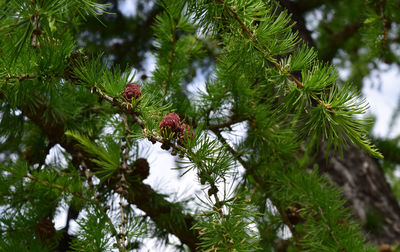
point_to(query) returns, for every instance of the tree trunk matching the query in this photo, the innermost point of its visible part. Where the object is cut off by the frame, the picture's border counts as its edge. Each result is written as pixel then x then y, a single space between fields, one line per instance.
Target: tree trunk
pixel 367 192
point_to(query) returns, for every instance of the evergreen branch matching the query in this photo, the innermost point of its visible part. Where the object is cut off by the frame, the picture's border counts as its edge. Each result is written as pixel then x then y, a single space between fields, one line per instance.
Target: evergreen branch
pixel 64 189
pixel 12 25
pixel 76 194
pixel 164 213
pixel 123 106
pixel 218 204
pixel 20 77
pixel 139 194
pixel 247 30
pixel 88 177
pixel 331 233
pixel 214 127
pixel 59 187
pixel 237 18
pixel 170 61
pixel 269 57
pixel 231 150
pixel 275 202
pixel 126 146
pixel 123 234
pixel 124 168
pixel 354 133
pixel 259 181
pixel 99 155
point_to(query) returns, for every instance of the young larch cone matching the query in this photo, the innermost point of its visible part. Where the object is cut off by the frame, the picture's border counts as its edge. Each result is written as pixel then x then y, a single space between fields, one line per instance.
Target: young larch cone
pixel 131 91
pixel 171 123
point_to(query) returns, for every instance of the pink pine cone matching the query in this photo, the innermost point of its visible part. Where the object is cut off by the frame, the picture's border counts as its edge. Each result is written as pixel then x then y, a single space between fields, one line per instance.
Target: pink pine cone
pixel 171 122
pixel 185 133
pixel 132 91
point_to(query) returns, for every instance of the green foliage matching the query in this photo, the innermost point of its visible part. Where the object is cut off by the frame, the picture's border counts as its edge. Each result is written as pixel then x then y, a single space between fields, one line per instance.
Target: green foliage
pixel 105 156
pixel 20 218
pixel 176 46
pixel 233 232
pixel 94 232
pixel 336 113
pixel 264 80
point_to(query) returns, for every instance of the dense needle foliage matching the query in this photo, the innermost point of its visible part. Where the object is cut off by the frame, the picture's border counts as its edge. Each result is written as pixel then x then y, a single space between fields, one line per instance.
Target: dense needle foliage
pixel 56 94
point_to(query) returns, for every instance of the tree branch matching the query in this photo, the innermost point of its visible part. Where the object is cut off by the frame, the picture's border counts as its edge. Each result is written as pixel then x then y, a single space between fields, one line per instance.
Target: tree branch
pixel 260 181
pixel 164 213
pixel 59 187
pixel 170 62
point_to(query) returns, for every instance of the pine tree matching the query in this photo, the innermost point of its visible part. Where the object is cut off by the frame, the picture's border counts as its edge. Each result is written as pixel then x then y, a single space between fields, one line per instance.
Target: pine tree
pixel 55 93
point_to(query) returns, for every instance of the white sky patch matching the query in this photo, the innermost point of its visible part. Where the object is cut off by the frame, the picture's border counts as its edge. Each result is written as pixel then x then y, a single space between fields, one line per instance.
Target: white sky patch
pixel 198 85
pixel 150 62
pixel 128 7
pixel 60 218
pixel 150 65
pixel 164 176
pixel 382 92
pixel 56 156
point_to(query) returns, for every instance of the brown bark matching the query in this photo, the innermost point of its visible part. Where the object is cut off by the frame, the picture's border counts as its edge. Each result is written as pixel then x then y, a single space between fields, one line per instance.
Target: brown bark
pixel 367 191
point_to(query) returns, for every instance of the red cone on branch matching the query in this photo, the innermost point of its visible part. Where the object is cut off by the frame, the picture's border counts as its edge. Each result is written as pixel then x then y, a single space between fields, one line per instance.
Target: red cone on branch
pixel 132 91
pixel 171 123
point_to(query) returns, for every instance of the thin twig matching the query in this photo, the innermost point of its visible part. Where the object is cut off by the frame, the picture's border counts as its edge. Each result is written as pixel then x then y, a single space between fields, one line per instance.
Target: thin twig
pixel 386 24
pixel 121 205
pixel 36 32
pixel 11 25
pixel 229 123
pixel 45 182
pixel 170 62
pixel 231 150
pixel 123 170
pixel 247 166
pixel 20 77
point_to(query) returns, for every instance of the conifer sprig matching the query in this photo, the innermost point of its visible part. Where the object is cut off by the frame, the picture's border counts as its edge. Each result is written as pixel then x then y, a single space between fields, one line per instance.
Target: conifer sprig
pixel 317 80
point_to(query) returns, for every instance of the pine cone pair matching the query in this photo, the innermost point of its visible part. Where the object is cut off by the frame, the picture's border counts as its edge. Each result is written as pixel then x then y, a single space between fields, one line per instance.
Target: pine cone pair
pixel 171 123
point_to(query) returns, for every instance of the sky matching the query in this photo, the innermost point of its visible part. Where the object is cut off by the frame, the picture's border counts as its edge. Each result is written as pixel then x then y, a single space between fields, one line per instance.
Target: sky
pixel 381 91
